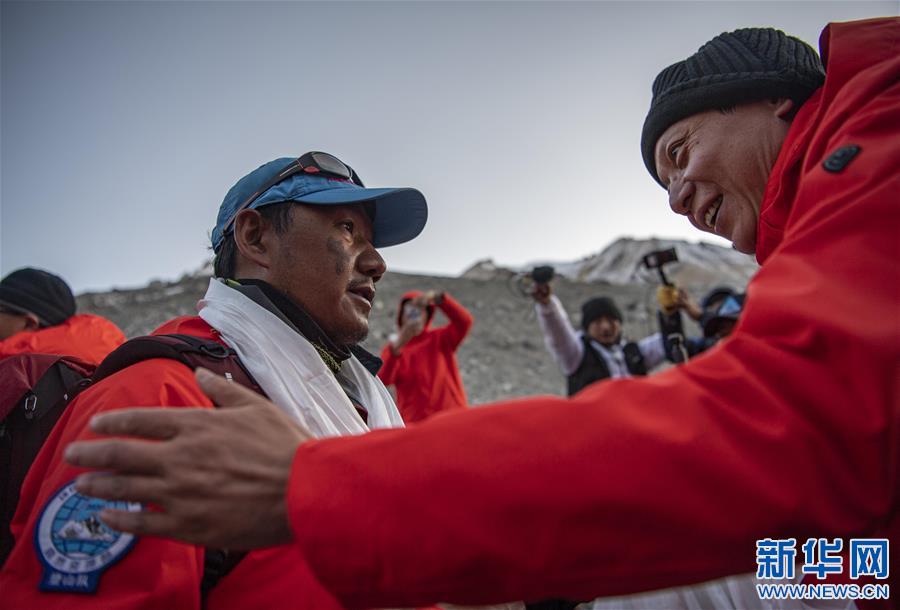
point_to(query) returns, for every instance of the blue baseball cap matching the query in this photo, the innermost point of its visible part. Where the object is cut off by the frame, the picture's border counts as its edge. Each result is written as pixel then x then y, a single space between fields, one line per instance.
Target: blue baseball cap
pixel 400 213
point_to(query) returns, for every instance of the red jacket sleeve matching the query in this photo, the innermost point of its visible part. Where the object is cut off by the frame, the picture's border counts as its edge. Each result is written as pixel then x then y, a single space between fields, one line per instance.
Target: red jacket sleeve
pixel 787 429
pixel 460 322
pixel 154 573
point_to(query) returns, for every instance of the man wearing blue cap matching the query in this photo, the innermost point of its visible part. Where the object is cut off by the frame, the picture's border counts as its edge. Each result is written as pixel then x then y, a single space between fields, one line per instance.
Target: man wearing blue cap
pixel 296 268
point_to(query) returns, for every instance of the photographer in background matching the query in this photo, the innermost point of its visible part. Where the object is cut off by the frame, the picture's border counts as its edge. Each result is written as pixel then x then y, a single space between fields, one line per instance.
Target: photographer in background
pixel 597 351
pixel 420 362
pixel 720 315
pixel 716 315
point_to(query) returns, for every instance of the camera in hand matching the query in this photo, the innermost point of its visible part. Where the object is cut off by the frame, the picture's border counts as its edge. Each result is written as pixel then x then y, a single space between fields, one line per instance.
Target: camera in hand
pixel 658 258
pixel 542 274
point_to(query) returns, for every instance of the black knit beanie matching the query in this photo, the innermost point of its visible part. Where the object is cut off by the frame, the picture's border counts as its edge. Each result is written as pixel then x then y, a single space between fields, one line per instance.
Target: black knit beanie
pixel 599 307
pixel 733 68
pixel 43 294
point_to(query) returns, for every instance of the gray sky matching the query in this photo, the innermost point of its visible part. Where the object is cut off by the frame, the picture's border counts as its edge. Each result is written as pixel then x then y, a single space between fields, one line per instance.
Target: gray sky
pixel 123 124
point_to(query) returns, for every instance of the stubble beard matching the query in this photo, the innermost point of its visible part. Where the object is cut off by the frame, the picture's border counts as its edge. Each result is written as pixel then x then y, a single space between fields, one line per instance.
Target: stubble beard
pixel 350 336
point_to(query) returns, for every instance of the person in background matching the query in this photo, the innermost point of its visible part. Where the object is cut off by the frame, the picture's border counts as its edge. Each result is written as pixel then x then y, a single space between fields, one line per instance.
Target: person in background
pixel 710 303
pixel 597 351
pixel 420 361
pixel 721 316
pixel 716 315
pixel 38 315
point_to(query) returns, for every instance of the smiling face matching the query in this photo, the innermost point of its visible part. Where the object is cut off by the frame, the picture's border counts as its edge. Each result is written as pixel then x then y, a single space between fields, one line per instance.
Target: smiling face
pixel 323 260
pixel 716 165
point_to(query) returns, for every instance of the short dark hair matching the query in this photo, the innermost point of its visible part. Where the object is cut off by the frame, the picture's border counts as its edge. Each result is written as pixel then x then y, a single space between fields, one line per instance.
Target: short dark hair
pixel 279 214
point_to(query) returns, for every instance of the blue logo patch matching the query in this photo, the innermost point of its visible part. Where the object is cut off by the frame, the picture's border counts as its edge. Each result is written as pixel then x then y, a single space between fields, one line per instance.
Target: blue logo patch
pixel 74 545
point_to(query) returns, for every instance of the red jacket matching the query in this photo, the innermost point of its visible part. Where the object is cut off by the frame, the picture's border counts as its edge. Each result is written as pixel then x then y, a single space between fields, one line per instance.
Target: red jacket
pixel 155 573
pixel 85 336
pixel 789 428
pixel 425 372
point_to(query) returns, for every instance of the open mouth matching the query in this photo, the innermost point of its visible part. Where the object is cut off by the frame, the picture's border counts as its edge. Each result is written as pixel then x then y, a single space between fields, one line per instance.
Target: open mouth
pixel 712 213
pixel 366 292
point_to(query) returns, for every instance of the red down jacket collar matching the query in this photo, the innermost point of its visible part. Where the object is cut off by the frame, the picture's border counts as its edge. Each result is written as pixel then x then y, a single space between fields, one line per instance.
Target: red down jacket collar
pixel 84 336
pixel 848 84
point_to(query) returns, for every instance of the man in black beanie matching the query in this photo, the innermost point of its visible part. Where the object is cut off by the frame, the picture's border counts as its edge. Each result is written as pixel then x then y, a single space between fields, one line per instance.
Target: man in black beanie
pixel 32 299
pixel 37 316
pixel 781 438
pixel 717 122
pixel 597 351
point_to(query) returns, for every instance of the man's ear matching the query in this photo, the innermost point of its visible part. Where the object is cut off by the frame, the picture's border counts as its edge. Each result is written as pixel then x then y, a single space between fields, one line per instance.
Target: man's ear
pixel 251 236
pixel 784 108
pixel 32 322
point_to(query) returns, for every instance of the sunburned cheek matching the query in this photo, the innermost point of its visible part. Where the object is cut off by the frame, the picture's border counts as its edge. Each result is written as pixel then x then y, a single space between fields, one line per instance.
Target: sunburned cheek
pixel 339 255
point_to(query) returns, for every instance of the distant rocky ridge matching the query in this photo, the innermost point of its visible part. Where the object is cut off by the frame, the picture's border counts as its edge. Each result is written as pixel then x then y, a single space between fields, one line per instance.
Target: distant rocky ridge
pixel 621 263
pixel 504 355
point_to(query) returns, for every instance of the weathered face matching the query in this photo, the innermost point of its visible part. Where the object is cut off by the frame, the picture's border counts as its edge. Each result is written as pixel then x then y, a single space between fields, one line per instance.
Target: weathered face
pixel 716 165
pixel 605 330
pixel 326 263
pixel 12 323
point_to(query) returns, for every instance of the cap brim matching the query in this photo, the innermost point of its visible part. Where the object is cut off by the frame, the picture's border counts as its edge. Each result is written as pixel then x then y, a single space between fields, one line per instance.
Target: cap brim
pixel 400 213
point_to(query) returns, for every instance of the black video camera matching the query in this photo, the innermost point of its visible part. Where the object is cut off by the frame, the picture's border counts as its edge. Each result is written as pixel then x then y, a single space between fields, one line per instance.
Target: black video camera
pixel 542 274
pixel 524 283
pixel 657 259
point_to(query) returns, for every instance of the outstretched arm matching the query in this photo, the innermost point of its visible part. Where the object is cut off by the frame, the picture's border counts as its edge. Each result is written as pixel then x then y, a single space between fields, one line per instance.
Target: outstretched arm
pixel 460 320
pixel 560 338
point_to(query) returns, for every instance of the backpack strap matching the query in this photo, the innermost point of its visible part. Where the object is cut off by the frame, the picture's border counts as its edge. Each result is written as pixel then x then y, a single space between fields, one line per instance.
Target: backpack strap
pixel 21 373
pixel 36 390
pixel 217 564
pixel 191 351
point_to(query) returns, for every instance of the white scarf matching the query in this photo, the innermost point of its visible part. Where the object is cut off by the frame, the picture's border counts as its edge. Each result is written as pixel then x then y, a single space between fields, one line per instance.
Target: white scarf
pixel 291 372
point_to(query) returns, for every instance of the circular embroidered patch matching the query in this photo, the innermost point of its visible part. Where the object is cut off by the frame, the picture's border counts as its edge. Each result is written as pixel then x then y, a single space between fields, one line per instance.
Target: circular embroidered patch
pixel 74 545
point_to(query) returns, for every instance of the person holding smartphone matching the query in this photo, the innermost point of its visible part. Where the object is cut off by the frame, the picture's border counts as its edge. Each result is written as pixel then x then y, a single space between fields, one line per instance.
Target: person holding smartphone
pixel 420 361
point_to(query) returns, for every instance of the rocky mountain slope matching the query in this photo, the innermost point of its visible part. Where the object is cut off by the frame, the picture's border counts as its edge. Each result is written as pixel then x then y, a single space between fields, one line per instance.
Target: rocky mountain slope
pixel 504 355
pixel 621 263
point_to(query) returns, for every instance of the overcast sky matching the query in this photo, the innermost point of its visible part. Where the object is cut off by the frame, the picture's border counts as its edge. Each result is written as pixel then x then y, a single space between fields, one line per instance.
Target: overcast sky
pixel 124 123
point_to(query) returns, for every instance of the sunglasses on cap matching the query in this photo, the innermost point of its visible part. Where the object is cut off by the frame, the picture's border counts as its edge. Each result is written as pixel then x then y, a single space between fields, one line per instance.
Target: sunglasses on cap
pixel 314 163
